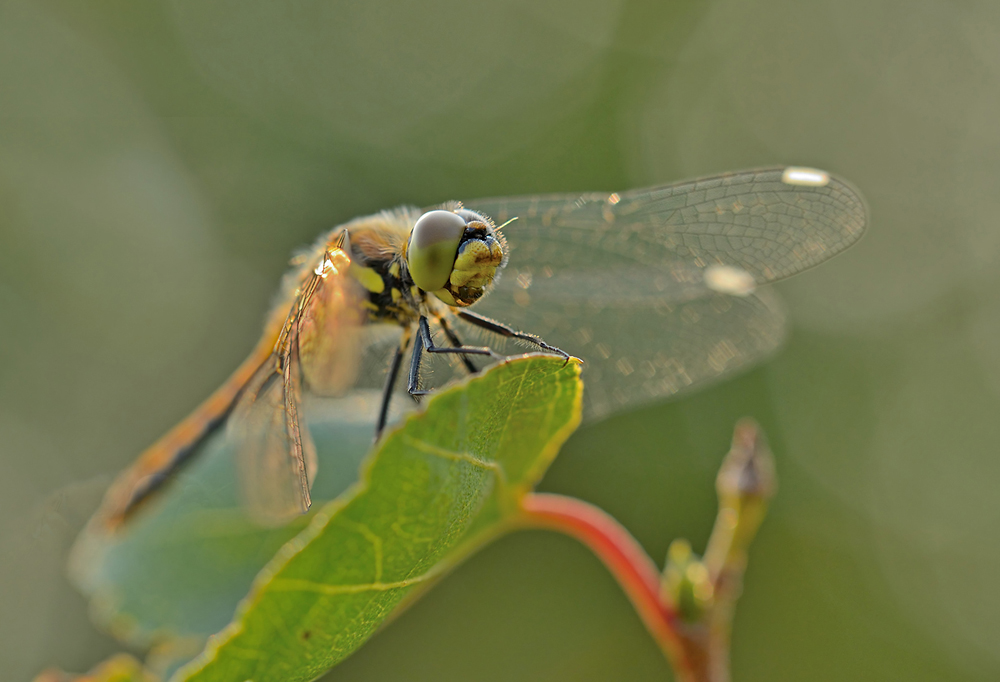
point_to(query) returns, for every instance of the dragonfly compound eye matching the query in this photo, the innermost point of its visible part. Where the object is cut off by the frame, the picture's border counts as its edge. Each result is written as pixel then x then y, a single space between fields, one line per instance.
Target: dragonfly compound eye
pixel 434 241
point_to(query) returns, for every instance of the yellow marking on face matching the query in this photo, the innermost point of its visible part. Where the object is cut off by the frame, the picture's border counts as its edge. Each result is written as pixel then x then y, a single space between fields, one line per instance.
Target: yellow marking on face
pixel 394 270
pixel 370 305
pixel 368 278
pixel 476 265
pixel 396 295
pixel 474 271
pixel 446 296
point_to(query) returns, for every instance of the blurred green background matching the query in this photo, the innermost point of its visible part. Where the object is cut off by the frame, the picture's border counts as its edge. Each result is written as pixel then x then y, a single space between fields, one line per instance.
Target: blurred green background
pixel 160 161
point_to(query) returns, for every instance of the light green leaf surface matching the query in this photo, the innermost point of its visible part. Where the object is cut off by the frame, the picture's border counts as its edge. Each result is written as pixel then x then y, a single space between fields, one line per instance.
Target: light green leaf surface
pixel 440 485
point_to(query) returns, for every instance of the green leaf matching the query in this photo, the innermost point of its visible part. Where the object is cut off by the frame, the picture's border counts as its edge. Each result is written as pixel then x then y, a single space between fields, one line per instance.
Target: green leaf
pixel 438 487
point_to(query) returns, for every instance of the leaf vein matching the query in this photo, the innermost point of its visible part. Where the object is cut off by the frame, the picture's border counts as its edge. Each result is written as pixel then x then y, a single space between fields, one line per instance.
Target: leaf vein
pixel 430 449
pixel 373 539
pixel 296 585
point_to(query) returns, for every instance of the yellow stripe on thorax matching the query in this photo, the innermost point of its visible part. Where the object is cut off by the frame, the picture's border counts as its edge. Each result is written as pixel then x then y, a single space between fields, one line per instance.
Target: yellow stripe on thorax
pixel 368 278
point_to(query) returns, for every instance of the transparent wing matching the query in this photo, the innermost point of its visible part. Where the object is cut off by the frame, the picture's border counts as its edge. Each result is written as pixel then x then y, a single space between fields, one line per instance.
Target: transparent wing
pixel 629 281
pixel 636 351
pixel 275 455
pixel 330 333
pixel 772 223
pixel 318 345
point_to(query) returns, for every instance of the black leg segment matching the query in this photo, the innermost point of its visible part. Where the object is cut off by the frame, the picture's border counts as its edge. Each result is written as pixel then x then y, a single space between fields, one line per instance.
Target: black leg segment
pixel 413 383
pixel 423 342
pixel 390 382
pixel 504 330
pixel 457 343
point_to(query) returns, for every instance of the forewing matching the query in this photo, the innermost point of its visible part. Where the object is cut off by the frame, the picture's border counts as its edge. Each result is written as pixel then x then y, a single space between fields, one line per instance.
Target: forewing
pixel 766 222
pixel 318 346
pixel 276 458
pixel 331 330
pixel 625 280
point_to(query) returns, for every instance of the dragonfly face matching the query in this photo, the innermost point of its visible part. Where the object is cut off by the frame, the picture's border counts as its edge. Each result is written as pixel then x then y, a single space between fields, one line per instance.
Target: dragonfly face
pixel 455 254
pixel 657 289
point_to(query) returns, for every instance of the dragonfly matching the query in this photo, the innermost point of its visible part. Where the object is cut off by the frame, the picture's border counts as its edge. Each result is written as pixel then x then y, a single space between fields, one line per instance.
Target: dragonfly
pixel 658 290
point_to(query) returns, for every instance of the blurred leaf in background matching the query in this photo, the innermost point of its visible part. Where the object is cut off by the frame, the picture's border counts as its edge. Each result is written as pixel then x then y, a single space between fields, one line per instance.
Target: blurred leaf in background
pixel 159 162
pixel 119 668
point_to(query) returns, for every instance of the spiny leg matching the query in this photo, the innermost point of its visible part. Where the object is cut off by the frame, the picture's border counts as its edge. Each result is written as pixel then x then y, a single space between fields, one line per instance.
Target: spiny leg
pixel 504 330
pixel 456 342
pixel 390 382
pixel 422 342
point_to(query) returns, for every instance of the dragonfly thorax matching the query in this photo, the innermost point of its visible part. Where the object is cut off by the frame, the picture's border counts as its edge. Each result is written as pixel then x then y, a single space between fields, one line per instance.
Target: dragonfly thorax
pixel 455 254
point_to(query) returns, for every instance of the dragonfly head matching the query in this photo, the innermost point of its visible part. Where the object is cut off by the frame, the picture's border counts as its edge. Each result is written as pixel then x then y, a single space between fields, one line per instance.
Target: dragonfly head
pixel 455 254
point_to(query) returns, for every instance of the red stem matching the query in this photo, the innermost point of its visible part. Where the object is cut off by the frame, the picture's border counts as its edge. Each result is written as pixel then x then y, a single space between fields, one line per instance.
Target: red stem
pixel 624 557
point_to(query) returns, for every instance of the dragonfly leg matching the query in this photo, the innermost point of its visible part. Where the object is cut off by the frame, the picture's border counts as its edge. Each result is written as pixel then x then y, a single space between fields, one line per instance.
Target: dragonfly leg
pixel 423 342
pixel 413 382
pixel 457 343
pixel 390 382
pixel 504 330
